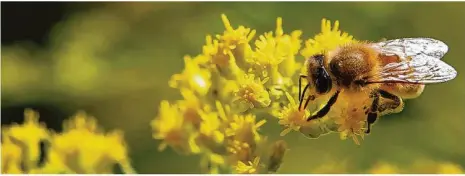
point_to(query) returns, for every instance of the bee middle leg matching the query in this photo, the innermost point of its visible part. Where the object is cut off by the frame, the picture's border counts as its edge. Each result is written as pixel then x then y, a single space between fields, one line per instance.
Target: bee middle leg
pixel 323 111
pixel 378 107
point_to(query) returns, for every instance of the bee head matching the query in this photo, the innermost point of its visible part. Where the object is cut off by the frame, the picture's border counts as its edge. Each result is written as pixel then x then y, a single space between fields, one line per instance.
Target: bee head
pixel 318 74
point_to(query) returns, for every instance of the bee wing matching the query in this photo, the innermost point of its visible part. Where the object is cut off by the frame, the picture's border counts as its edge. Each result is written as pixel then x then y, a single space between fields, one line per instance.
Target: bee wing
pixel 420 61
pixel 411 47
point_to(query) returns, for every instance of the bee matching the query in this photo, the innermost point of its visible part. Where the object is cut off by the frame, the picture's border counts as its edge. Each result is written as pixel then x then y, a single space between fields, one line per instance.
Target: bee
pixel 385 72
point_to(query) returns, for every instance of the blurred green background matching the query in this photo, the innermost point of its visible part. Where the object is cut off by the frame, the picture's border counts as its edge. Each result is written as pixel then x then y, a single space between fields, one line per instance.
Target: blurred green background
pixel 114 60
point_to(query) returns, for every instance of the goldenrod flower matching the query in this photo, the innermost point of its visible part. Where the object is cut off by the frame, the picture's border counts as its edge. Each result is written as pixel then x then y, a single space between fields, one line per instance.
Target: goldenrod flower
pixel 350 117
pixel 328 39
pixel 169 126
pixel 239 151
pixel 28 136
pixel 350 126
pixel 450 168
pixel 251 167
pixel 289 66
pixel 251 94
pixel 190 107
pixel 244 128
pixel 384 168
pixel 278 150
pixel 291 117
pixel 222 57
pixel 231 37
pixel 236 41
pixel 222 89
pixel 11 156
pixel 428 166
pixel 332 166
pixel 210 130
pixel 212 162
pixel 193 77
pixel 276 50
pixel 96 152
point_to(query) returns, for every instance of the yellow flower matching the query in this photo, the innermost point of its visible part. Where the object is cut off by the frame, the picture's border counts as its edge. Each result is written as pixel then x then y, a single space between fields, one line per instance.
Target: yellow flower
pixel 222 89
pixel 428 166
pixel 211 134
pixel 96 152
pixel 190 107
pixel 233 37
pixel 328 39
pixel 251 94
pixel 450 168
pixel 170 127
pixel 291 117
pixel 239 151
pixel 270 52
pixel 222 58
pixel 332 166
pixel 350 126
pixel 288 67
pixel 211 163
pixel 244 128
pixel 236 42
pixel 193 77
pixel 28 135
pixel 278 150
pixel 384 168
pixel 351 119
pixel 11 156
pixel 251 167
pixel 278 50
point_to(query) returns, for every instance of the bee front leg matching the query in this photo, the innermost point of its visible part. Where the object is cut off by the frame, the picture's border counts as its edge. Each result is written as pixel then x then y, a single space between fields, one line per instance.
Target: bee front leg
pixel 301 95
pixel 372 112
pixel 323 111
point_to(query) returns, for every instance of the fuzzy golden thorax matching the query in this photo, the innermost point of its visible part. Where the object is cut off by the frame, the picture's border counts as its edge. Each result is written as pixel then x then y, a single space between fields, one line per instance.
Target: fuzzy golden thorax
pixel 352 64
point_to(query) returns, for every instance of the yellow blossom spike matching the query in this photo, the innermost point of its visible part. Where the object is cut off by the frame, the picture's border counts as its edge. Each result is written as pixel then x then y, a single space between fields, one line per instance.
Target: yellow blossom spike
pixel 328 39
pixel 30 116
pixel 279 26
pixel 226 22
pixel 324 25
pixel 221 111
pixel 260 123
pixel 28 136
pixel 450 168
pixel 251 35
pixel 336 26
pixel 95 154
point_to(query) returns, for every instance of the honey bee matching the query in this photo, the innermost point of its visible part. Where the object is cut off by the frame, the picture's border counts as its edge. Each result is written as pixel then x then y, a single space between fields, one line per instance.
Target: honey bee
pixel 385 72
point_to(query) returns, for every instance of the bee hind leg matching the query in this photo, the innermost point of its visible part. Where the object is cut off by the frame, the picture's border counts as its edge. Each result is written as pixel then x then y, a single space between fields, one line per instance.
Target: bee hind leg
pixel 380 108
pixel 392 104
pixel 323 111
pixel 372 113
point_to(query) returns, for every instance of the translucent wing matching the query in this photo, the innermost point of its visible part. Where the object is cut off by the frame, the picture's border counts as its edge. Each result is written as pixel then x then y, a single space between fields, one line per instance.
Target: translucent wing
pixel 419 61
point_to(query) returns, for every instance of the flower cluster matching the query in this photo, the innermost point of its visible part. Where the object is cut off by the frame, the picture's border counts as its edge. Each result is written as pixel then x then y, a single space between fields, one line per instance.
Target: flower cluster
pixel 82 148
pixel 237 76
pixel 418 167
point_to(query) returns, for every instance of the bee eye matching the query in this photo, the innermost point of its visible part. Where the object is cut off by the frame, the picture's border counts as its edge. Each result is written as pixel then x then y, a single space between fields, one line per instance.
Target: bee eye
pixel 322 81
pixel 321 78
